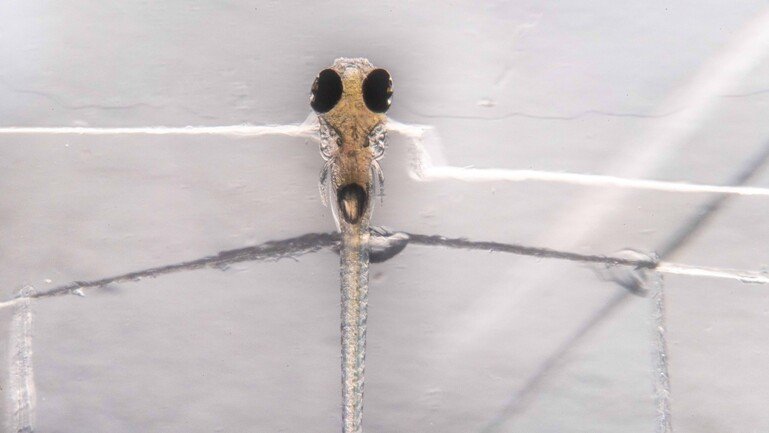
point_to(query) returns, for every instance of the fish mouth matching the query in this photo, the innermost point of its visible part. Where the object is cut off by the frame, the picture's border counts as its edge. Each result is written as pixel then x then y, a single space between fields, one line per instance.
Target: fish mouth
pixel 352 199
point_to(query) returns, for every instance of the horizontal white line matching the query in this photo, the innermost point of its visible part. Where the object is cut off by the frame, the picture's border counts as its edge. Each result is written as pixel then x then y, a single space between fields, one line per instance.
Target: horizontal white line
pixel 231 130
pixel 496 174
pixel 424 169
pixel 729 274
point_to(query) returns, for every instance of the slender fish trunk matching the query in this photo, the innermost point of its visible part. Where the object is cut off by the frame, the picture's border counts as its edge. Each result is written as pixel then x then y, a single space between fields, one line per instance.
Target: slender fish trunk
pixel 354 281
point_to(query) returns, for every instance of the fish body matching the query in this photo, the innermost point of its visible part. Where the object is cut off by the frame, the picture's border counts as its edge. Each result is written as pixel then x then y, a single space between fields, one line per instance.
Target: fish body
pixel 350 99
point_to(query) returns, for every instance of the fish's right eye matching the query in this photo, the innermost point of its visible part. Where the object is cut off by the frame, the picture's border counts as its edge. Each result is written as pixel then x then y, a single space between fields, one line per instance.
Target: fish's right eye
pixel 326 91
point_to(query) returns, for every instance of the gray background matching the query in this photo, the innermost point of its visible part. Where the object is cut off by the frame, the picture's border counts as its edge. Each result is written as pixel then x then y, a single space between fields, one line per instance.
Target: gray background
pixel 598 87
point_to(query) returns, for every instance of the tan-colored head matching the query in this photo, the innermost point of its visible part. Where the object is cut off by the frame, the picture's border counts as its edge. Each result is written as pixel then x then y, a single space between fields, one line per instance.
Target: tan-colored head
pixel 351 98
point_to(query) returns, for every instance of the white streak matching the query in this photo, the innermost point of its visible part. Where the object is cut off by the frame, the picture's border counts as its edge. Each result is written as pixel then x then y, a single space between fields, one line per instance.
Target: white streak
pixel 426 152
pixel 495 174
pixel 729 274
pixel 12 302
pixel 302 130
pixel 22 382
pixel 660 357
pixel 424 169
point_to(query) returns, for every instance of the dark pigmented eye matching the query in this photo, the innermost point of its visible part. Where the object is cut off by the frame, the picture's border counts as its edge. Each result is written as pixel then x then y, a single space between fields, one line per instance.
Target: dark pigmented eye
pixel 326 91
pixel 377 90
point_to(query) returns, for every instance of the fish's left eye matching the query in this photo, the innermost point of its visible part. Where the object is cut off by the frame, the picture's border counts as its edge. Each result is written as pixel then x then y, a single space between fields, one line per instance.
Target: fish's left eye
pixel 378 90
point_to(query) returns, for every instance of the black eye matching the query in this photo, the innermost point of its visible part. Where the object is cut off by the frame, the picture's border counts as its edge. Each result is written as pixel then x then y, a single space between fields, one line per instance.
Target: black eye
pixel 377 90
pixel 326 91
